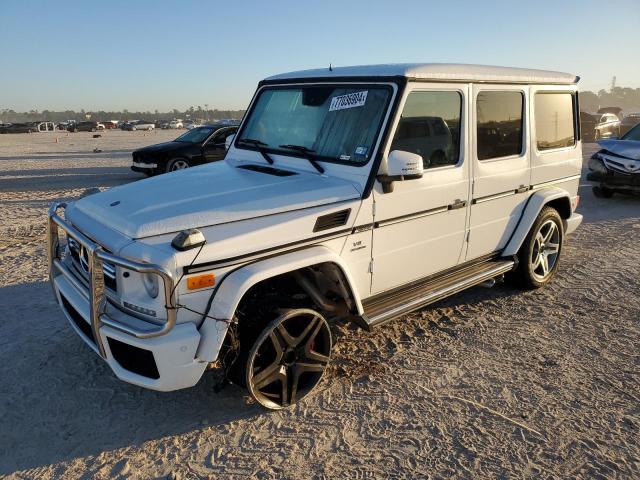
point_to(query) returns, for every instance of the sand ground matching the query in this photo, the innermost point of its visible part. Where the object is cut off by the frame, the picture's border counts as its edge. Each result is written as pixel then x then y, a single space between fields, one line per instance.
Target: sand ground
pixel 493 383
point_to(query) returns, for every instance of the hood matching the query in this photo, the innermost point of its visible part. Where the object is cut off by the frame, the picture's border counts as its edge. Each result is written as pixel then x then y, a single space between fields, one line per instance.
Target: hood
pixel 208 195
pixel 624 148
pixel 160 147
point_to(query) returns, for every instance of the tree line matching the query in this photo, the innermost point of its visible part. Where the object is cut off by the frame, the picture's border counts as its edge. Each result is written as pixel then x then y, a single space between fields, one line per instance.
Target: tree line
pixel 624 97
pixel 195 113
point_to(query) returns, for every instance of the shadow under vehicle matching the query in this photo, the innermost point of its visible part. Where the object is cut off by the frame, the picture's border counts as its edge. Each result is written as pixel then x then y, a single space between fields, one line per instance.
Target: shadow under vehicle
pixel 195 147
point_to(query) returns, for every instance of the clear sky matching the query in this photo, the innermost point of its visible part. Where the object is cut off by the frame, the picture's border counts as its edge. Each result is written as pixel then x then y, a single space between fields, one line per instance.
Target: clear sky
pixel 147 55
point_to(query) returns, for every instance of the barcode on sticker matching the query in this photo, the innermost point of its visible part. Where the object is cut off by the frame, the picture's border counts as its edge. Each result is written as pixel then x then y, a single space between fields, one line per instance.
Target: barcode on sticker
pixel 350 100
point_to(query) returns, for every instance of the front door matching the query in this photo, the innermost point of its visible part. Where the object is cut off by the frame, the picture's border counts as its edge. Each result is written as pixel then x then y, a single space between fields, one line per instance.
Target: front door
pixel 501 170
pixel 420 225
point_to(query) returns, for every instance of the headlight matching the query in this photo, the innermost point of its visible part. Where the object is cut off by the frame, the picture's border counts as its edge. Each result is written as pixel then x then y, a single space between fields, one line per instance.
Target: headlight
pixel 151 284
pixel 596 165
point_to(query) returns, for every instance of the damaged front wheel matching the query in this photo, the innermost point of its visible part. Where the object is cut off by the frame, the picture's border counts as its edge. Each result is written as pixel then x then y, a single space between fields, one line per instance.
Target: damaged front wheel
pixel 288 358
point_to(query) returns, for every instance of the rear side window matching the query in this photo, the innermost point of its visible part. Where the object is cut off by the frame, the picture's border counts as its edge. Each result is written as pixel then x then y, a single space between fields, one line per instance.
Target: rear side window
pixel 430 127
pixel 499 124
pixel 555 126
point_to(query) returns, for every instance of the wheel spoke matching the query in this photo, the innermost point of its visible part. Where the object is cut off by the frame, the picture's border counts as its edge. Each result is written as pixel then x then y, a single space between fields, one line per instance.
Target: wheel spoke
pixel 306 367
pixel 278 345
pixel 552 247
pixel 317 325
pixel 550 232
pixel 267 376
pixel 289 341
pixel 314 356
pixel 537 262
pixel 545 265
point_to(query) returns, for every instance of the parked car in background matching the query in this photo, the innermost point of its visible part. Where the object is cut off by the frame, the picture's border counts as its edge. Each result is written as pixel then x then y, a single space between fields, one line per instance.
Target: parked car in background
pixel 45 126
pixel 139 125
pixel 110 124
pixel 607 126
pixel 587 127
pixel 176 124
pixel 617 111
pixel 628 122
pixel 616 167
pixel 197 146
pixel 85 127
pixel 19 128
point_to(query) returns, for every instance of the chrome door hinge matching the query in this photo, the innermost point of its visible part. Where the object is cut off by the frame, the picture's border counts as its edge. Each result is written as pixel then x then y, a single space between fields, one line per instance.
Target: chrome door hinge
pixel 371 266
pixel 468 235
pixel 373 209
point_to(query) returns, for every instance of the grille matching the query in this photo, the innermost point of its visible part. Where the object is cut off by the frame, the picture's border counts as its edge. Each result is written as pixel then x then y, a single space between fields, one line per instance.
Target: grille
pixel 81 261
pixel 77 319
pixel 332 220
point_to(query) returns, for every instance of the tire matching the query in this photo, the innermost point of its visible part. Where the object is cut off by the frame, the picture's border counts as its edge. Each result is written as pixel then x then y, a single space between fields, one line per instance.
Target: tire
pixel 540 253
pixel 177 164
pixel 287 359
pixel 602 192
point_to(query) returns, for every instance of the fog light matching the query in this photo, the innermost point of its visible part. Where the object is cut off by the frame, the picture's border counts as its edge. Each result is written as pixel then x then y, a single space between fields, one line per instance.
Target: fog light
pixel 136 308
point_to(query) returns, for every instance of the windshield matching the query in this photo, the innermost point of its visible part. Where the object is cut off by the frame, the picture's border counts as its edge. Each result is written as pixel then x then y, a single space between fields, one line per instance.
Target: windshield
pixel 196 135
pixel 633 134
pixel 334 123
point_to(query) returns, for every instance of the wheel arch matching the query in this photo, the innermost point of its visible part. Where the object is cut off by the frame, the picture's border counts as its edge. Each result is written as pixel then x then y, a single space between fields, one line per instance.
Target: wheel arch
pixel 237 284
pixel 554 197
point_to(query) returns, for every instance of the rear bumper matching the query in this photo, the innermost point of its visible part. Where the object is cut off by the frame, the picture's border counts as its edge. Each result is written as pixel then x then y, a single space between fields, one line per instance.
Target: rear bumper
pixel 572 223
pixel 163 363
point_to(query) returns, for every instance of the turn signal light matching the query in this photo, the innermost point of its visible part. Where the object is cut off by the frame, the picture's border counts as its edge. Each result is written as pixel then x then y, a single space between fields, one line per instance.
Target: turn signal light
pixel 201 281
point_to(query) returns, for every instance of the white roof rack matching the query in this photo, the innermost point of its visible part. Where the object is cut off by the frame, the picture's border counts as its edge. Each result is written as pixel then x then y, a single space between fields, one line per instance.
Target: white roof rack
pixel 449 72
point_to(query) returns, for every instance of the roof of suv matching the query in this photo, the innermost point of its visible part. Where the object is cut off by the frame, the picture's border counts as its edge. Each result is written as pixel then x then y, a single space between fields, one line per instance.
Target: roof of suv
pixel 450 72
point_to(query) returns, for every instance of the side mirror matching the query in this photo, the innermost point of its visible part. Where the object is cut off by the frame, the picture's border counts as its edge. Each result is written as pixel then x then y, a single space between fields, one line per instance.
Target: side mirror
pixel 229 141
pixel 401 166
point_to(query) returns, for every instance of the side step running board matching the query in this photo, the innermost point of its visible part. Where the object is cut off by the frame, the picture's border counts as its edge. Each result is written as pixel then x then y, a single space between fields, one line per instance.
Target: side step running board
pixel 388 306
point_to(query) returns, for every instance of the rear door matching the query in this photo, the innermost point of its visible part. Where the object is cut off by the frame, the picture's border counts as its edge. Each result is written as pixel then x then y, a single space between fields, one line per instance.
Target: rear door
pixel 501 171
pixel 420 225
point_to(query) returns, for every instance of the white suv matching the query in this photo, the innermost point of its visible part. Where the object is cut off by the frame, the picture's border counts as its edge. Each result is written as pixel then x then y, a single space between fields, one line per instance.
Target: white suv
pixel 358 192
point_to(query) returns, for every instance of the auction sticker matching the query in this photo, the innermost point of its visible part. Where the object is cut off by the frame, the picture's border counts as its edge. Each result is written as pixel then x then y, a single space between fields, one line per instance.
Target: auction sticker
pixel 350 100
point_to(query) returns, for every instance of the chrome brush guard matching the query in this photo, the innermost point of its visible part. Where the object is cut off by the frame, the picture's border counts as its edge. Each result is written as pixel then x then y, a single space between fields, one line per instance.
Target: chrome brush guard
pixel 95 294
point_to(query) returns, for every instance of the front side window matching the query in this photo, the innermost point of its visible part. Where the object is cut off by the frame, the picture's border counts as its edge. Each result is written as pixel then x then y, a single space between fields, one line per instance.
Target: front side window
pixel 335 123
pixel 430 127
pixel 499 124
pixel 555 127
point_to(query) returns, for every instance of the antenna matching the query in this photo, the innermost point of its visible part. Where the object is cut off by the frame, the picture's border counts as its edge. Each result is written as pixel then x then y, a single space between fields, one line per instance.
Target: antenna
pixel 330 68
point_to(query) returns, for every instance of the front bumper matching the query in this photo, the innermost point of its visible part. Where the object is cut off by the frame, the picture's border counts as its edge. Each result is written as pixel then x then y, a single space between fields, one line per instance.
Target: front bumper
pixel 159 357
pixel 616 181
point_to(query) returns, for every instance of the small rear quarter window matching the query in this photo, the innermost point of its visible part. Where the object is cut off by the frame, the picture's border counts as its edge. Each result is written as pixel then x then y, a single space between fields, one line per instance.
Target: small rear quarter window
pixel 555 126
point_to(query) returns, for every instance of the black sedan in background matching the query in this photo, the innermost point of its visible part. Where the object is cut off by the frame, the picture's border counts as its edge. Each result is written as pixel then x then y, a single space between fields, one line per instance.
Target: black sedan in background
pixel 19 128
pixel 197 146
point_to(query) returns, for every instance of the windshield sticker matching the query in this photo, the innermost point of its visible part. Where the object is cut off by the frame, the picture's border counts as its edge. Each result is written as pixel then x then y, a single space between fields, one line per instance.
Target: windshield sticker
pixel 351 100
pixel 345 157
pixel 361 151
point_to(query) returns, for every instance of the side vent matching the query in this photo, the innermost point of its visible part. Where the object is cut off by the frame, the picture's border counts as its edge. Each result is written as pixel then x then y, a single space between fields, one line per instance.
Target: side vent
pixel 332 220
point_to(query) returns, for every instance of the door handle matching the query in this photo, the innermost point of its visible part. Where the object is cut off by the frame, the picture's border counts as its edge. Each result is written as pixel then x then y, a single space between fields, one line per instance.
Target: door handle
pixel 522 189
pixel 456 205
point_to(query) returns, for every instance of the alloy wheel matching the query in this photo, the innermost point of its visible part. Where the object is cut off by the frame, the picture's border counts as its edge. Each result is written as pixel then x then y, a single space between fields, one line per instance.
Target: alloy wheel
pixel 288 358
pixel 179 165
pixel 546 248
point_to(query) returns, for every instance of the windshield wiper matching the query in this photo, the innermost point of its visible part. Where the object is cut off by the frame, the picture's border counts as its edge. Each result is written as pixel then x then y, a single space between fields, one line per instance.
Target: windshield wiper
pixel 307 154
pixel 259 145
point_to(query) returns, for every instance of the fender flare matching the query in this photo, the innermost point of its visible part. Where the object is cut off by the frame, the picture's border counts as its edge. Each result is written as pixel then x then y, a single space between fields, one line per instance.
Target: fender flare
pixel 531 211
pixel 238 282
